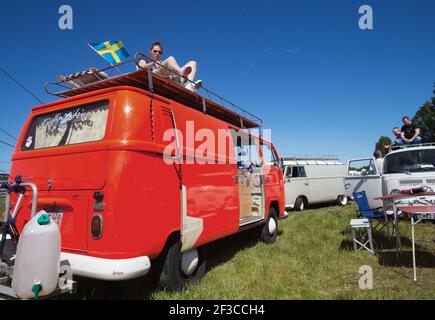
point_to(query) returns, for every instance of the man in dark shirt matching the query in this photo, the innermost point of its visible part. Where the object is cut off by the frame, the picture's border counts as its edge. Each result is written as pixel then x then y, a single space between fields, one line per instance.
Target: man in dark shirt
pixel 410 134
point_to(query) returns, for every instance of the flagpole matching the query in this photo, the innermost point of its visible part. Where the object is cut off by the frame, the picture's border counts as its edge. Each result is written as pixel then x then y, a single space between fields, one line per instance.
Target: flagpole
pixel 104 59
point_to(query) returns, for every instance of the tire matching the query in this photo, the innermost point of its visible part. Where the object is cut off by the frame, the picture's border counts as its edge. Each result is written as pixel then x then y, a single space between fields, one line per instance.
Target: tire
pixel 172 277
pixel 300 204
pixel 269 232
pixel 342 200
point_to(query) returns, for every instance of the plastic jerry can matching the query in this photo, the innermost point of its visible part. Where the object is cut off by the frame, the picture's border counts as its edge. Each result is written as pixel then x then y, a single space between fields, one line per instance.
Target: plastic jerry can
pixel 37 261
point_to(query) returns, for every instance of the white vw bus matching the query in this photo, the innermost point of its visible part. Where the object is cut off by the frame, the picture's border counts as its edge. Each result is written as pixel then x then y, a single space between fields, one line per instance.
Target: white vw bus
pixel 405 168
pixel 310 181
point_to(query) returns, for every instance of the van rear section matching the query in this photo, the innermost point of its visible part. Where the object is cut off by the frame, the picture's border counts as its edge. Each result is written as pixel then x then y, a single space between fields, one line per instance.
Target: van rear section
pixel 61 150
pixel 93 159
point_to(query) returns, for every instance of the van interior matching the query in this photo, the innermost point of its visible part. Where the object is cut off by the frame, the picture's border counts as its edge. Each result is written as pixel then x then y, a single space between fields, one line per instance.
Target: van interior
pixel 250 179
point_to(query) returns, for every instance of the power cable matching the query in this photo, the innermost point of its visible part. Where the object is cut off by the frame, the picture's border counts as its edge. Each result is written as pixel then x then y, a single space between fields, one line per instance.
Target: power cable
pixel 10 135
pixel 17 82
pixel 8 144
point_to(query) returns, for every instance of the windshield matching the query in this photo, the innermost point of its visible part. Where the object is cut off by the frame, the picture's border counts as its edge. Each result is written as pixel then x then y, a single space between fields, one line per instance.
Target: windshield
pixel 81 124
pixel 410 161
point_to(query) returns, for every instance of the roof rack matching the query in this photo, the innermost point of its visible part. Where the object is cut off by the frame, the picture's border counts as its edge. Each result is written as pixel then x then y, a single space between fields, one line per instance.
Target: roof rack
pixel 397 148
pixel 322 158
pixel 307 160
pixel 214 105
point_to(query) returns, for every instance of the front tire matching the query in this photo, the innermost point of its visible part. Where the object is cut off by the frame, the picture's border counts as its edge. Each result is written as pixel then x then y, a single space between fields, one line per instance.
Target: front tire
pixel 269 231
pixel 342 200
pixel 300 204
pixel 173 278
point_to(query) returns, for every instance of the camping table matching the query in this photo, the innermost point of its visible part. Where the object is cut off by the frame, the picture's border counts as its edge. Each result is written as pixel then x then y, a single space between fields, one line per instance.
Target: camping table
pixel 419 213
pixel 416 205
pixel 398 199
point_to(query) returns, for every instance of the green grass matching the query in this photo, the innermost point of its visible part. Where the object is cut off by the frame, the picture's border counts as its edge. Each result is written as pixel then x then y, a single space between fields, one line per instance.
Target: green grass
pixel 313 259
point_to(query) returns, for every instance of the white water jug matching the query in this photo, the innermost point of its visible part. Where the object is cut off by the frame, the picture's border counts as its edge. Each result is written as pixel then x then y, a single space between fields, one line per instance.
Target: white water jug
pixel 37 261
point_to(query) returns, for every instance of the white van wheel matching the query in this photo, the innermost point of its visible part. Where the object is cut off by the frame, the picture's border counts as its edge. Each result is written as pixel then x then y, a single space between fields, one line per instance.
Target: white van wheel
pixel 189 261
pixel 300 204
pixel 176 265
pixel 342 200
pixel 269 230
pixel 272 226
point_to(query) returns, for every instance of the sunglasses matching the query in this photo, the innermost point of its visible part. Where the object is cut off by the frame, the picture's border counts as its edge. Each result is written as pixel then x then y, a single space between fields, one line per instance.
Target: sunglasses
pixel 157 51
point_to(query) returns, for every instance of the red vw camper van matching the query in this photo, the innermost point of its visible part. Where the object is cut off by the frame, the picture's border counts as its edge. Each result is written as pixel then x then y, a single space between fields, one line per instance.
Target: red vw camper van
pixel 133 170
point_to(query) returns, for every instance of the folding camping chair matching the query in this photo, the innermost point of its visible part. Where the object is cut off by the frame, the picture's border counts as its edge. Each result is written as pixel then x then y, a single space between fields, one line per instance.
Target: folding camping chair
pixel 377 214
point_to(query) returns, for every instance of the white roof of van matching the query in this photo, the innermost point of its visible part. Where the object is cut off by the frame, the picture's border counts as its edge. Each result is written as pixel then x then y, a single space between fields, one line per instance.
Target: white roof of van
pixel 311 162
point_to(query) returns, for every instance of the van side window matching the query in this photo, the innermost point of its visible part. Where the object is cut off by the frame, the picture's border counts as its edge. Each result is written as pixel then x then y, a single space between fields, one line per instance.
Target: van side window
pixel 85 123
pixel 364 167
pixel 298 172
pixel 269 155
pixel 288 174
pixel 246 150
pixel 295 172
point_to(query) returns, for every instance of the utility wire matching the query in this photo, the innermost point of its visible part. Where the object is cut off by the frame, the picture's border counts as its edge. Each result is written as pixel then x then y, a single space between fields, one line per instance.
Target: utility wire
pixel 8 144
pixel 17 82
pixel 4 131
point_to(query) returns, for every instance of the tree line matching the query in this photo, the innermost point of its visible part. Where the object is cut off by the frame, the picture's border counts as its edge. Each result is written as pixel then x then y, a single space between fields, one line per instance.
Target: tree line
pixel 423 119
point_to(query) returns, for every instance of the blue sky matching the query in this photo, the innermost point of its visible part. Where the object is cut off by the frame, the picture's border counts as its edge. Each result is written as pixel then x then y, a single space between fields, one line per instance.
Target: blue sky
pixel 321 84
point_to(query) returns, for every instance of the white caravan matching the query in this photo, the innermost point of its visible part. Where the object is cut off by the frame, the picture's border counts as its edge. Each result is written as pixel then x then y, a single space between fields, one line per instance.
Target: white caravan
pixel 404 168
pixel 312 181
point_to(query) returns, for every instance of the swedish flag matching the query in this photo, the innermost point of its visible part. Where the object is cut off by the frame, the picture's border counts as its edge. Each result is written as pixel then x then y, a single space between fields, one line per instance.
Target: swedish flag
pixel 113 51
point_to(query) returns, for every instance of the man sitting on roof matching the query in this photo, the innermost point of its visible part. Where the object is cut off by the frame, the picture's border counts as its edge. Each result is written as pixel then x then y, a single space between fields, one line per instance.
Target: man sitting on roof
pixel 410 133
pixel 163 68
pixel 397 141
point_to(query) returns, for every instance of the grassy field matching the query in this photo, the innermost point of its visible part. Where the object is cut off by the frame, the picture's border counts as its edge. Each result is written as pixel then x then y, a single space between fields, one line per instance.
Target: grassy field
pixel 313 258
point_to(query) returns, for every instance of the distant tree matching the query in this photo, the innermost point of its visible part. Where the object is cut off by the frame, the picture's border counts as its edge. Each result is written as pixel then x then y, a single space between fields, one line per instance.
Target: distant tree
pixel 425 120
pixel 383 140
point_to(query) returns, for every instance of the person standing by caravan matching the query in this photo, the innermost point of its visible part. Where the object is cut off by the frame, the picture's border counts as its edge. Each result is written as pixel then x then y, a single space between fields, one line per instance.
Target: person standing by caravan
pixel 379 161
pixel 161 67
pixel 410 133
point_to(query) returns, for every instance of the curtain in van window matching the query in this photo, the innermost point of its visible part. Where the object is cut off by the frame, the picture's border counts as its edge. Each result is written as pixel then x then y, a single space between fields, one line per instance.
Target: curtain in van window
pixel 95 128
pixel 71 126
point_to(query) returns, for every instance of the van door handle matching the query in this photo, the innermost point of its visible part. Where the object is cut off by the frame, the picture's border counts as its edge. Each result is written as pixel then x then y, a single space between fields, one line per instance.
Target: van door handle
pixel 347 185
pixel 306 183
